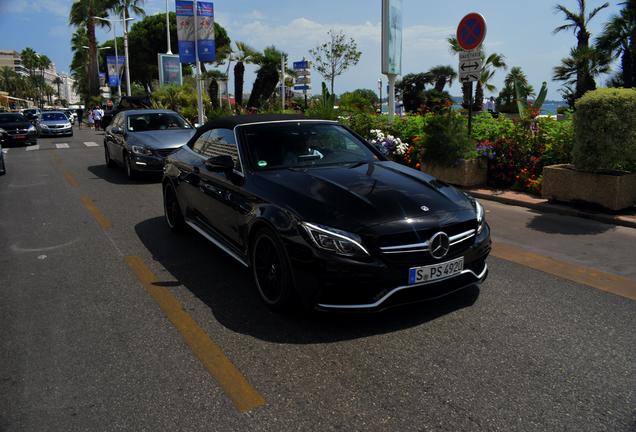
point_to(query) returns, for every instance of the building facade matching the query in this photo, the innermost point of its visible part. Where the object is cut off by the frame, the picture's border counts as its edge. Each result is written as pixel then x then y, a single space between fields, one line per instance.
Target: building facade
pixel 12 59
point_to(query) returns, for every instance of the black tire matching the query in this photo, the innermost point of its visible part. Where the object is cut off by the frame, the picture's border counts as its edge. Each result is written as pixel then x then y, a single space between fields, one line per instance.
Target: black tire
pixel 171 209
pixel 109 162
pixel 272 272
pixel 131 173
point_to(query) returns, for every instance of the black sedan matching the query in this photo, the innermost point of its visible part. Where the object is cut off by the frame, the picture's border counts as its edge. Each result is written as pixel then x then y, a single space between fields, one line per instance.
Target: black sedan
pixel 17 129
pixel 141 139
pixel 321 217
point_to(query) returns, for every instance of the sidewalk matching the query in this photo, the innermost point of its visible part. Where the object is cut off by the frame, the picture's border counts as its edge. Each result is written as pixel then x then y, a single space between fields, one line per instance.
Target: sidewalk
pixel 625 218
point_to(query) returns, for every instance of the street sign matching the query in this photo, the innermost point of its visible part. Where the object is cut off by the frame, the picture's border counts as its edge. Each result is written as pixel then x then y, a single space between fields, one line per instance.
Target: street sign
pixel 465 77
pixel 302 87
pixel 470 55
pixel 303 64
pixel 471 31
pixel 470 66
pixel 303 80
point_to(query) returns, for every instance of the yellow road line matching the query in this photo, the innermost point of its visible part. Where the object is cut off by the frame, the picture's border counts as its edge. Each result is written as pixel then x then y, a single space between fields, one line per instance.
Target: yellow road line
pixel 102 220
pixel 235 385
pixel 70 179
pixel 608 282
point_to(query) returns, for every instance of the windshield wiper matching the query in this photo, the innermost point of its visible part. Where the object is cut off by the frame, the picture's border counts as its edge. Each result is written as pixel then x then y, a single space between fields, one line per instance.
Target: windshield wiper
pixel 358 164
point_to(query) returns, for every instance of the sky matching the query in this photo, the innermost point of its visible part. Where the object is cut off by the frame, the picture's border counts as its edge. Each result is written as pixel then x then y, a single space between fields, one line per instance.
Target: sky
pixel 521 30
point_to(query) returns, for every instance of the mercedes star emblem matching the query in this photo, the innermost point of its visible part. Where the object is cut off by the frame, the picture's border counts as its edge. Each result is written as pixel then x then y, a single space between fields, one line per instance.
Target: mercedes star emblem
pixel 424 208
pixel 439 245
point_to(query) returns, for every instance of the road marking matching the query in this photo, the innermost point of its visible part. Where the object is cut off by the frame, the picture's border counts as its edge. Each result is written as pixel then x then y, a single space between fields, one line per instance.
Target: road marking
pixel 33 147
pixel 102 220
pixel 61 145
pixel 607 282
pixel 91 144
pixel 231 380
pixel 70 179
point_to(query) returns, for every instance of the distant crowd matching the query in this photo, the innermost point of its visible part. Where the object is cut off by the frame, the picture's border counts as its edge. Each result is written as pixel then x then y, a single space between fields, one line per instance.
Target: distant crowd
pixel 93 116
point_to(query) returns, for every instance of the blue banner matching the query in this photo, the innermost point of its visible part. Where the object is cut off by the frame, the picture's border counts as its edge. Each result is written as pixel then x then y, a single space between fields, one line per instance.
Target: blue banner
pixel 205 32
pixel 185 31
pixel 115 66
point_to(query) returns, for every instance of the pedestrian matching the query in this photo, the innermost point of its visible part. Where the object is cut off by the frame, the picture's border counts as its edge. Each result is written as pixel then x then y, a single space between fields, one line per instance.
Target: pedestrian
pixel 97 115
pixel 91 119
pixel 80 117
pixel 490 105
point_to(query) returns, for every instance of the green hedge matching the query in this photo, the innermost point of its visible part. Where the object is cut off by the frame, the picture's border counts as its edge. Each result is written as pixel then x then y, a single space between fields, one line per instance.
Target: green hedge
pixel 605 131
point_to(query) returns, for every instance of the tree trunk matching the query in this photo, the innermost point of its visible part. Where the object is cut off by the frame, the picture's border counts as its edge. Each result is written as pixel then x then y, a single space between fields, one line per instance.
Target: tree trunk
pixel 479 98
pixel 239 73
pixel 440 84
pixel 93 78
pixel 466 89
pixel 627 68
pixel 213 92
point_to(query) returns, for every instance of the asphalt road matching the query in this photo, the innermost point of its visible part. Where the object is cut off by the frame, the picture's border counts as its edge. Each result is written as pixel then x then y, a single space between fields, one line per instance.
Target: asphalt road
pixel 108 322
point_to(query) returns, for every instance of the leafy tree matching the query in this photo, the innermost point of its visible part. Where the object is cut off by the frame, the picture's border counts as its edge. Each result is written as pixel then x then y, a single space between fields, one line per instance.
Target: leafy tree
pixel 213 89
pixel 411 88
pixel 578 22
pixel 58 82
pixel 243 54
pixel 593 61
pixel 363 100
pixel 616 42
pixel 334 57
pixel 442 75
pixel 507 96
pixel 267 76
pixel 81 15
pixel 79 63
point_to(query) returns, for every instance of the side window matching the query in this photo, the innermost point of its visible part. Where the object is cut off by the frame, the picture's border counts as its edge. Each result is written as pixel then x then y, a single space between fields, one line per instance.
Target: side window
pixel 218 142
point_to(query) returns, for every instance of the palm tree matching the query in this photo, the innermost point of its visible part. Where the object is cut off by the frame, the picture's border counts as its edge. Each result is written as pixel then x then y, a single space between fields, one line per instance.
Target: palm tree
pixel 491 64
pixel 267 76
pixel 8 79
pixel 243 54
pixel 615 42
pixel 29 59
pixel 579 22
pixel 593 61
pixel 81 15
pixel 442 75
pixel 58 82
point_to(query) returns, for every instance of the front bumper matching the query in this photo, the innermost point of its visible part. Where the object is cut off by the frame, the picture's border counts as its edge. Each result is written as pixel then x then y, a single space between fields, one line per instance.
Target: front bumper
pixel 56 131
pixel 29 139
pixel 327 282
pixel 147 163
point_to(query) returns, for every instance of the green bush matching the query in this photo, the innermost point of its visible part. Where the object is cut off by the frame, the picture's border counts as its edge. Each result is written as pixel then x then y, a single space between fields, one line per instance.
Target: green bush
pixel 488 128
pixel 605 131
pixel 557 139
pixel 446 139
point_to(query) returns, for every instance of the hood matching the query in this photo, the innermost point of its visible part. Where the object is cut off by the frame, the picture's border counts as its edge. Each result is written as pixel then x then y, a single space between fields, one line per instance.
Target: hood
pixel 15 125
pixel 377 193
pixel 161 139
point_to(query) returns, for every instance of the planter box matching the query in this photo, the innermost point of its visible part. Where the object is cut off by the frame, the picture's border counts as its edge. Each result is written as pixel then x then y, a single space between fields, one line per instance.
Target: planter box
pixel 471 172
pixel 564 183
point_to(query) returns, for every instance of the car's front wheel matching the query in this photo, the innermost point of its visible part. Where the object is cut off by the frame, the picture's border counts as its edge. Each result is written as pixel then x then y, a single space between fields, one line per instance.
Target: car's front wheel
pixel 272 272
pixel 171 209
pixel 109 162
pixel 131 173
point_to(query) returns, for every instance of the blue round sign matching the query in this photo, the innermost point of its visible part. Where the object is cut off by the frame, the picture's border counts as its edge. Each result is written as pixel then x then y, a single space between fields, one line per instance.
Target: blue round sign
pixel 471 31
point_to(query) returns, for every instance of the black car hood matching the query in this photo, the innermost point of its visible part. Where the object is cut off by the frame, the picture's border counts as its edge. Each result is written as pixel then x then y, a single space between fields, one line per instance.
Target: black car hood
pixel 377 193
pixel 15 125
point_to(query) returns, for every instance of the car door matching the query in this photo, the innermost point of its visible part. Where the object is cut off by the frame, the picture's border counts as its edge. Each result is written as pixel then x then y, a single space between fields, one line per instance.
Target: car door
pixel 114 140
pixel 223 201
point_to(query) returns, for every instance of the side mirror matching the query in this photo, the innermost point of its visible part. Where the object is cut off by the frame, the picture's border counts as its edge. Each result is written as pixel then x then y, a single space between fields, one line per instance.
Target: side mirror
pixel 223 163
pixel 117 130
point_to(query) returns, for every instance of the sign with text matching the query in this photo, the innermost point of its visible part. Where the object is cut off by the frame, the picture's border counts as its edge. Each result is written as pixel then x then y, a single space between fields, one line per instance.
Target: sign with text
pixel 205 32
pixel 169 69
pixel 185 31
pixel 115 66
pixel 470 66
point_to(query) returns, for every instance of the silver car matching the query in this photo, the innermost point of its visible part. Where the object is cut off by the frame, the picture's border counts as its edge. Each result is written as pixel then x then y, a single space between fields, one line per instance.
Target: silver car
pixel 141 139
pixel 53 123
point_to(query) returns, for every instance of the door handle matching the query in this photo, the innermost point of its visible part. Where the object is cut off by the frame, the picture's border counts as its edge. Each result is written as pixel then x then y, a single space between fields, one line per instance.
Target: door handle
pixel 196 170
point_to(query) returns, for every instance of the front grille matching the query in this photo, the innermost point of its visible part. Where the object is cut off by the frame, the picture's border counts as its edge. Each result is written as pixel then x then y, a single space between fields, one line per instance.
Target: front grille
pixel 421 236
pixel 56 126
pixel 165 152
pixel 17 131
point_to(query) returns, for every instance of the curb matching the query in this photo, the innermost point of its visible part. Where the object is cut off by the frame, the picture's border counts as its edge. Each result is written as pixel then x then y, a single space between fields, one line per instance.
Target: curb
pixel 556 208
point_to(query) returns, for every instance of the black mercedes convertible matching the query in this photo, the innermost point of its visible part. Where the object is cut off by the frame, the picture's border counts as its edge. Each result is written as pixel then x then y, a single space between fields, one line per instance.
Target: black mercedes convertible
pixel 321 217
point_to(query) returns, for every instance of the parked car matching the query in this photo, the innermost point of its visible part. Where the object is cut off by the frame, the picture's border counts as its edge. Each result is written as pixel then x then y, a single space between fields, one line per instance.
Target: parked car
pixel 72 115
pixel 31 113
pixel 53 123
pixel 3 168
pixel 124 104
pixel 17 129
pixel 321 217
pixel 140 140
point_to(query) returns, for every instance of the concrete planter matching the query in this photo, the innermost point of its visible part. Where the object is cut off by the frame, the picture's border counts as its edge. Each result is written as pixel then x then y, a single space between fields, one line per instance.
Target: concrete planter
pixel 564 183
pixel 468 172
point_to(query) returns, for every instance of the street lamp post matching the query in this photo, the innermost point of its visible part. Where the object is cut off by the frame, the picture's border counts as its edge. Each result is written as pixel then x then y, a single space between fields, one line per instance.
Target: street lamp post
pixel 113 21
pixel 380 90
pixel 169 51
pixel 99 48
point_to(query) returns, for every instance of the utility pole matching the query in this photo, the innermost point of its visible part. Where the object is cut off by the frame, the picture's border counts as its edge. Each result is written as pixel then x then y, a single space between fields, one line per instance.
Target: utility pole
pixel 127 63
pixel 282 87
pixel 197 63
pixel 168 29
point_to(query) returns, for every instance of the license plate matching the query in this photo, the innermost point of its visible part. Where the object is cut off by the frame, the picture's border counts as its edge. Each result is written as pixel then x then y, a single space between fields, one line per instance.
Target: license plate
pixel 19 136
pixel 436 271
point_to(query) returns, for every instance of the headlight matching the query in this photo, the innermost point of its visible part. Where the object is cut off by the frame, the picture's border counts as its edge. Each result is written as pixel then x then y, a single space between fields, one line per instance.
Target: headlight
pixel 141 150
pixel 67 125
pixel 43 126
pixel 480 216
pixel 2 131
pixel 31 129
pixel 336 241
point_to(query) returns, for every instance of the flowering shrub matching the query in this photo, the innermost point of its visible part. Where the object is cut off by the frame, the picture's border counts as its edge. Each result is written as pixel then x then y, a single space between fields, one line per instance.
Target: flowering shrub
pixel 388 144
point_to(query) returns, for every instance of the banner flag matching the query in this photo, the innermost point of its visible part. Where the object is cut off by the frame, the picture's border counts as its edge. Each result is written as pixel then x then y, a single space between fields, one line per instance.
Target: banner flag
pixel 115 66
pixel 392 37
pixel 185 31
pixel 205 32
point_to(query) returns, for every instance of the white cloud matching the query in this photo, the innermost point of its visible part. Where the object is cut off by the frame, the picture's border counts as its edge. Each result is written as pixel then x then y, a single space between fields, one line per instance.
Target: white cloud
pixel 56 7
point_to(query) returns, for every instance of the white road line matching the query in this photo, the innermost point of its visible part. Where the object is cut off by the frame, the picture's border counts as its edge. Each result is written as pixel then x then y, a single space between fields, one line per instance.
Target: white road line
pixel 61 145
pixel 33 147
pixel 91 144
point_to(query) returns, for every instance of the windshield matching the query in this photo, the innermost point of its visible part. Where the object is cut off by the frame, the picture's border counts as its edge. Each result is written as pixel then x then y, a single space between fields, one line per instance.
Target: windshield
pixel 156 121
pixel 12 118
pixel 54 116
pixel 302 144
